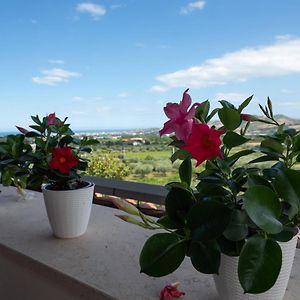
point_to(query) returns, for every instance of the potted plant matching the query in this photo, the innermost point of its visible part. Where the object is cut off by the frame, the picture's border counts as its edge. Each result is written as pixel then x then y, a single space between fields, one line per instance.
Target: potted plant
pixel 240 220
pixel 57 163
pixel 14 166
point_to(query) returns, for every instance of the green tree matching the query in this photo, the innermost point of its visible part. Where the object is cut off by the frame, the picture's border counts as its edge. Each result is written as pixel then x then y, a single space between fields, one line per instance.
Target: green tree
pixel 106 165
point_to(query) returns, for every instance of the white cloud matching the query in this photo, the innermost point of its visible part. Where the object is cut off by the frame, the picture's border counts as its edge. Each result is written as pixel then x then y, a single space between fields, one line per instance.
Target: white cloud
pixel 56 61
pixel 94 9
pixel 123 94
pixel 158 89
pixel 103 109
pixel 292 104
pixel 54 76
pixel 192 6
pixel 232 97
pixel 78 99
pixel 278 59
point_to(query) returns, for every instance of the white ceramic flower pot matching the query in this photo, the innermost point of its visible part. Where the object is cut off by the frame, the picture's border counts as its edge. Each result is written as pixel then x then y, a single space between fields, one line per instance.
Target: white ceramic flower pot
pixel 228 285
pixel 69 211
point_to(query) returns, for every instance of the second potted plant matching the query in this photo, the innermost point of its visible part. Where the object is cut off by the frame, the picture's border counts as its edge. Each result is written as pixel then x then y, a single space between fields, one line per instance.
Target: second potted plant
pixel 57 163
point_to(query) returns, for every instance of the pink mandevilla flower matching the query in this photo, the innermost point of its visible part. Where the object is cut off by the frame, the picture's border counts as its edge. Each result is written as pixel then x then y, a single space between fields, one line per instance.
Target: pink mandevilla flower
pixel 51 119
pixel 170 291
pixel 181 119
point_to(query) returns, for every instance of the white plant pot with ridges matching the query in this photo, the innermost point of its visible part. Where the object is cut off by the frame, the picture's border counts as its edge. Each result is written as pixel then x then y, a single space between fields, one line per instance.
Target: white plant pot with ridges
pixel 228 285
pixel 69 210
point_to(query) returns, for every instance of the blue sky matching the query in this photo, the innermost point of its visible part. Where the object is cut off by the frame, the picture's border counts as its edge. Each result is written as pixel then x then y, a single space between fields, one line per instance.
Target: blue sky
pixel 111 64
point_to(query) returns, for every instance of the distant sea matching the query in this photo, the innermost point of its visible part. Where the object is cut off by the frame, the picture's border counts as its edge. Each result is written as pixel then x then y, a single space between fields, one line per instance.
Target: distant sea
pixel 5 133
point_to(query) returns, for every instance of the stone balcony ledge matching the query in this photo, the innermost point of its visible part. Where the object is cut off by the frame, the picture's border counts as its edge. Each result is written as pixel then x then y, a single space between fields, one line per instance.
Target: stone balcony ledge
pixel 101 264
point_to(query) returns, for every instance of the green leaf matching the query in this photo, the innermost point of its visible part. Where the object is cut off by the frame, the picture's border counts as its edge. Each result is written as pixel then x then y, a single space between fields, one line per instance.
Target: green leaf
pixel 245 104
pixel 205 257
pixel 230 248
pixel 167 222
pixel 259 264
pixel 264 208
pixel 66 140
pixel 185 171
pixel 296 144
pixel 208 219
pixel 178 203
pixel 37 128
pixel 272 144
pixel 180 154
pixel 162 254
pixel 237 228
pixel 211 115
pixel 287 185
pixel 202 110
pixel 254 179
pixel 86 149
pixel 230 118
pixel 262 159
pixel 226 104
pixel 234 158
pixel 36 120
pixel 285 235
pixel 232 139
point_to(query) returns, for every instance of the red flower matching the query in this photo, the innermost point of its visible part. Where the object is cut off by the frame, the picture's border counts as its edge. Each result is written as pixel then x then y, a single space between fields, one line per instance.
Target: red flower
pixel 63 160
pixel 204 143
pixel 22 130
pixel 181 119
pixel 51 119
pixel 170 291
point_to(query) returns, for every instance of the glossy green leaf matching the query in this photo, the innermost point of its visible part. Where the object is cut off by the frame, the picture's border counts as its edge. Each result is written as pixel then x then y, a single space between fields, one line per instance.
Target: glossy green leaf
pixel 244 104
pixel 230 118
pixel 287 185
pixel 167 222
pixel 202 110
pixel 272 144
pixel 285 235
pixel 230 248
pixel 232 139
pixel 226 104
pixel 205 257
pixel 178 203
pixel 208 219
pixel 262 159
pixel 237 228
pixel 259 264
pixel 264 208
pixel 180 154
pixel 185 171
pixel 162 254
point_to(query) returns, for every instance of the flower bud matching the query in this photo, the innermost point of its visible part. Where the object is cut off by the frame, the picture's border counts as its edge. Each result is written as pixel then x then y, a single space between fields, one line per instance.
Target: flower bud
pixel 247 117
pixel 22 130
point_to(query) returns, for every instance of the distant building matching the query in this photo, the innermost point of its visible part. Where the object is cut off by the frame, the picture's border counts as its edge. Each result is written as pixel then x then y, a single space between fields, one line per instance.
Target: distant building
pixel 134 141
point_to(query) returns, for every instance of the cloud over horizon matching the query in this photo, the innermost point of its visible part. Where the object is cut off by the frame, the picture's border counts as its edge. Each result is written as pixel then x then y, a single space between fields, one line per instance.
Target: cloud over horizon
pixel 278 59
pixel 54 76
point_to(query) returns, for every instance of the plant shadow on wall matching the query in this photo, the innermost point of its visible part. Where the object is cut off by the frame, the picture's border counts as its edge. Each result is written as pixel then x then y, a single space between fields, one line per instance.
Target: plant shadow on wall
pixel 239 211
